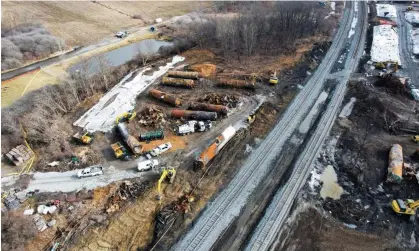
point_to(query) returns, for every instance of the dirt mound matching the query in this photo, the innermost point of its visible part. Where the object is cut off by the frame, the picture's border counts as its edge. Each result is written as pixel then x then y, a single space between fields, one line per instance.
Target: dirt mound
pixel 199 55
pixel 206 70
pixel 393 85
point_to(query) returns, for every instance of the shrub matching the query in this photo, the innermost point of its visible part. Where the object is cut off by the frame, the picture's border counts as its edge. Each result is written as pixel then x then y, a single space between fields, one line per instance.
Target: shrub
pixel 27 42
pixel 16 231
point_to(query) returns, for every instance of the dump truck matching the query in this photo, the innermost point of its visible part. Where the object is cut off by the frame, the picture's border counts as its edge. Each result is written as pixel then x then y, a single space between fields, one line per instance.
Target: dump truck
pixel 193 126
pixel 83 137
pixel 130 140
pixel 149 136
pixel 214 148
pixel 120 151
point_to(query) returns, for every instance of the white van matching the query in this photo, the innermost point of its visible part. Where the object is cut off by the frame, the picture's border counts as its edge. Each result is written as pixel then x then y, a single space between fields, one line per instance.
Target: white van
pixel 147 165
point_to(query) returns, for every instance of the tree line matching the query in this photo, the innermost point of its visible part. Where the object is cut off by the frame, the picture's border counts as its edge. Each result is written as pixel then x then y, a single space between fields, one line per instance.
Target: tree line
pixel 268 28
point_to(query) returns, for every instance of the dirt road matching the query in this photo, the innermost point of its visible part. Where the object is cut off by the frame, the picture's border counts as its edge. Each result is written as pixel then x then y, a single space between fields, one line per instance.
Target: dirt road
pixel 227 206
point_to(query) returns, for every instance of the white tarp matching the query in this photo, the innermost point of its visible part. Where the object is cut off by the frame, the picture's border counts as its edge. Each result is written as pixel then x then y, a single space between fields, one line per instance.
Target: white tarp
pixel 386 10
pixel 414 35
pixel 121 98
pixel 385 44
pixel 412 17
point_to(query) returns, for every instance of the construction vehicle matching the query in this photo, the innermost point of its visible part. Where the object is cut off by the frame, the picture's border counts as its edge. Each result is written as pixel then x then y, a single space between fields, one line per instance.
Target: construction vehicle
pixel 409 8
pixel 250 118
pixel 84 137
pixel 120 151
pixel 388 65
pixel 193 126
pixel 407 207
pixel 126 116
pixel 416 138
pixel 167 173
pixel 149 136
pixel 273 79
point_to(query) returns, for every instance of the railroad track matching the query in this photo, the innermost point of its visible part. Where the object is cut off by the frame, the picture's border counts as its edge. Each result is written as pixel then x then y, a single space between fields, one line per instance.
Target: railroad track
pixel 270 225
pixel 221 212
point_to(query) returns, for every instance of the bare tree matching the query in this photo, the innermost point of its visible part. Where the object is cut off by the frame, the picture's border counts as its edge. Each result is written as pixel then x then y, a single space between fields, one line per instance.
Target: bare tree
pixel 104 70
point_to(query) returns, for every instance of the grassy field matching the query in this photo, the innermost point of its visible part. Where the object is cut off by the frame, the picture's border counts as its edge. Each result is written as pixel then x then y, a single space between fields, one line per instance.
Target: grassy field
pixel 83 23
pixel 14 88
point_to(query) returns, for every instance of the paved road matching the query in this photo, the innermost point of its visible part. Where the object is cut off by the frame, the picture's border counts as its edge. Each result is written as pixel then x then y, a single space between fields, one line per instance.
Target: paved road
pixel 410 66
pixel 220 213
pixel 265 236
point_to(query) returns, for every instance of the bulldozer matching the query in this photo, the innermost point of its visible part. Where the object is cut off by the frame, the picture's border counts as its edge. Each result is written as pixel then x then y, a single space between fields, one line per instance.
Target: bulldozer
pixel 126 116
pixel 389 65
pixel 407 207
pixel 273 80
pixel 251 118
pixel 415 138
pixel 167 173
pixel 83 137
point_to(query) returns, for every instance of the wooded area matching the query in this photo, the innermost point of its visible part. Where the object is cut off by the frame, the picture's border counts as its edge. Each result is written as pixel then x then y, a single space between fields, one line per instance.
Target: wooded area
pixel 270 28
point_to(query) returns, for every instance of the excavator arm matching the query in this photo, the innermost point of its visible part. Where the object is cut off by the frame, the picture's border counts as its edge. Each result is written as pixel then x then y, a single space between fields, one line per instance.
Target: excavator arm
pixel 414 205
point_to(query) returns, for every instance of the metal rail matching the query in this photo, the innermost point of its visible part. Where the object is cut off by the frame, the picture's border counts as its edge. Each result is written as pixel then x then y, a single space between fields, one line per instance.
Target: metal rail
pixel 217 214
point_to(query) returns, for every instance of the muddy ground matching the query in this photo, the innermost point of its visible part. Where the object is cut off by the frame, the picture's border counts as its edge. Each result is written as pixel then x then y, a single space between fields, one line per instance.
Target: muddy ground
pixel 358 152
pixel 132 225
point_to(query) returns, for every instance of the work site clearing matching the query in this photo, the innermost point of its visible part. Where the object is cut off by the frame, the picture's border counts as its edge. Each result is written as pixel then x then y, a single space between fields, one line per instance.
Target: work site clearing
pixel 211 145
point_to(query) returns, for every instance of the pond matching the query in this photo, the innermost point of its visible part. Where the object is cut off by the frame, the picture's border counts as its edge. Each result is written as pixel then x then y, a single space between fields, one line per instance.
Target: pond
pixel 122 55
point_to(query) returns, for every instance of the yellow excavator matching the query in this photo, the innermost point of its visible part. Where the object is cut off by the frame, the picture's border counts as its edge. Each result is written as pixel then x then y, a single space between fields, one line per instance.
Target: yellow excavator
pixel 407 207
pixel 273 80
pixel 126 116
pixel 168 173
pixel 415 138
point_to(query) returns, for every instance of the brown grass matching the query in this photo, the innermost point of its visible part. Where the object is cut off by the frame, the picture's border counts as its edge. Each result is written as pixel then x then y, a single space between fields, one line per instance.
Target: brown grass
pixel 82 23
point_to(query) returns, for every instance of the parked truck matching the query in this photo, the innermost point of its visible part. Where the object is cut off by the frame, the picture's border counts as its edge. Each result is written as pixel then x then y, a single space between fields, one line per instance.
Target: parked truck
pixel 193 126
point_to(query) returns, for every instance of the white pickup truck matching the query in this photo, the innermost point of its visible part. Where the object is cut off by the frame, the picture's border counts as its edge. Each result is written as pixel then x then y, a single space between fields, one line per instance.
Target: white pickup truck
pixel 90 171
pixel 159 150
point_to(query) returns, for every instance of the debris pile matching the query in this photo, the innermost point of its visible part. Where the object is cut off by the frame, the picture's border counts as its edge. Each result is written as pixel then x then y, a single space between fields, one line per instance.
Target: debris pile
pixel 165 218
pixel 230 101
pixel 152 116
pixel 127 191
pixel 19 155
